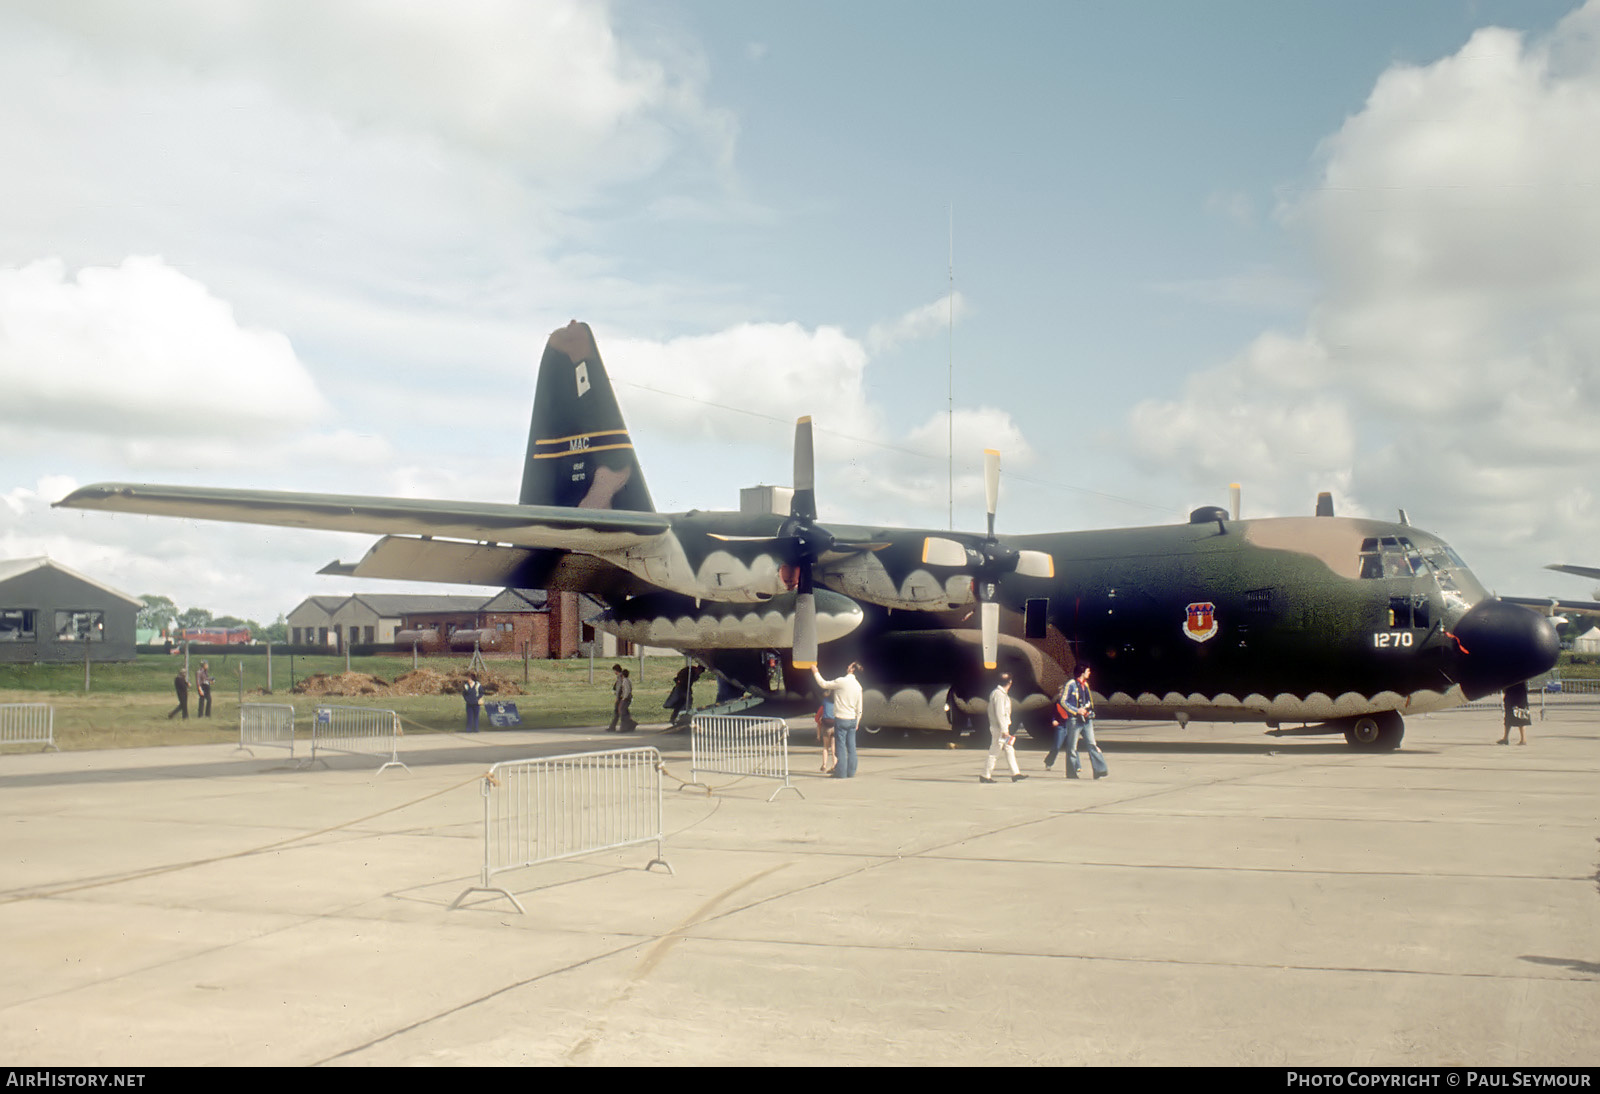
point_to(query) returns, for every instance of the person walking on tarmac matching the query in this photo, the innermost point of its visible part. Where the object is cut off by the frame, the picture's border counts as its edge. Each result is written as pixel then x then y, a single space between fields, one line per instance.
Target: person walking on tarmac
pixel 1001 739
pixel 1517 713
pixel 621 714
pixel 180 685
pixel 1079 703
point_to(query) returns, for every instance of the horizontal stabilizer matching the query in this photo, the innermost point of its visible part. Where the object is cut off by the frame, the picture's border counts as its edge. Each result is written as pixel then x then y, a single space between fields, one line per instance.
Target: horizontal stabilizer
pixel 403 558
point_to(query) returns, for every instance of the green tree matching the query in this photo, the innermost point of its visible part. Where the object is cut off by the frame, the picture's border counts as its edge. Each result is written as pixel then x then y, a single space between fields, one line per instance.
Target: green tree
pixel 277 632
pixel 194 617
pixel 157 614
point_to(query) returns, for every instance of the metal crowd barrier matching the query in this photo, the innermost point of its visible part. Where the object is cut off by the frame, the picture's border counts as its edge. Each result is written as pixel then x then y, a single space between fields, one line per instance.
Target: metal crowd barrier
pixel 537 811
pixel 266 725
pixel 28 724
pixel 725 744
pixel 1566 694
pixel 363 730
pixel 1547 695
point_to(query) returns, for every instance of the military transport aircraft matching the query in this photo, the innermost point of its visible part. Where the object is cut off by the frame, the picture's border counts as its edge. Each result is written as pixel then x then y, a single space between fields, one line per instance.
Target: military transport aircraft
pixel 1340 624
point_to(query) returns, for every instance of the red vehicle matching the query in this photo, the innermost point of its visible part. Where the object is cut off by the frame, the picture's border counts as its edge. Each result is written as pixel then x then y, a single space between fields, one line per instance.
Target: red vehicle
pixel 217 636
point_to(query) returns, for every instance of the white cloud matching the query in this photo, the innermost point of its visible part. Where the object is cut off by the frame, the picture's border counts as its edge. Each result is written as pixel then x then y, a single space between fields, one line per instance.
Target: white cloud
pixel 918 323
pixel 1451 363
pixel 140 351
pixel 772 372
pixel 548 86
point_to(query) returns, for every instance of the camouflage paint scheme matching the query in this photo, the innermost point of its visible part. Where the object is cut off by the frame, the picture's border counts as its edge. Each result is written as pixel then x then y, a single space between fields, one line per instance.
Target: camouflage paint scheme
pixel 1216 619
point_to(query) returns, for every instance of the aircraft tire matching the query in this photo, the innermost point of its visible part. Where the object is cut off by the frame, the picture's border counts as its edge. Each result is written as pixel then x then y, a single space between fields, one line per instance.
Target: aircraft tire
pixel 1376 733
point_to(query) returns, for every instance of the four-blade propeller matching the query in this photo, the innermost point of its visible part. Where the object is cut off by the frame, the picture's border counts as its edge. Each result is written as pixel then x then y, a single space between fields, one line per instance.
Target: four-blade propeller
pixel 802 543
pixel 988 561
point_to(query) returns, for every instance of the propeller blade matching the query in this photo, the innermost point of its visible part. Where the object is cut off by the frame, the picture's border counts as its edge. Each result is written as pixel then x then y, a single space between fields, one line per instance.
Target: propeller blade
pixel 939 551
pixel 804 504
pixel 991 633
pixel 1035 564
pixel 991 483
pixel 1235 491
pixel 804 655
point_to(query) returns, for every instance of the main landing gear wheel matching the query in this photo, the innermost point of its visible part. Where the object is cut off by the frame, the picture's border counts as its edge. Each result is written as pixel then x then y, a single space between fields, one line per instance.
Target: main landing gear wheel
pixel 1376 732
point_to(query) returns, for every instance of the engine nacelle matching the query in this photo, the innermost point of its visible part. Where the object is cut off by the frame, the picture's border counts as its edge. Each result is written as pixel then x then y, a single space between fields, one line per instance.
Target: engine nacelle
pixel 675 622
pixel 863 577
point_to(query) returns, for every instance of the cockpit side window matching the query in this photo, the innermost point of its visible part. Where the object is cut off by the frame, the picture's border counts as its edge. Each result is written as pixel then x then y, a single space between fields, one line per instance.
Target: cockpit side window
pixel 1397 556
pixel 1371 561
pixel 1390 556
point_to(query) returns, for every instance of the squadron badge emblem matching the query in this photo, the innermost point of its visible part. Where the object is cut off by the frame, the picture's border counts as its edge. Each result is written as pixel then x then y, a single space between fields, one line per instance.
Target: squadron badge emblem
pixel 1201 621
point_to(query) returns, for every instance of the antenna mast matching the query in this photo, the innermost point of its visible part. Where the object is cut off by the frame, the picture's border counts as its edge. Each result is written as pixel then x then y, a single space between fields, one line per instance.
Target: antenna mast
pixel 950 378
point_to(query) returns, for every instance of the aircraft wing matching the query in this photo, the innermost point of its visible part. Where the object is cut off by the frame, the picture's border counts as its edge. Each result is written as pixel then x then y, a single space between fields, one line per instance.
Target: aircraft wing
pixel 586 530
pixel 1581 571
pixel 1549 605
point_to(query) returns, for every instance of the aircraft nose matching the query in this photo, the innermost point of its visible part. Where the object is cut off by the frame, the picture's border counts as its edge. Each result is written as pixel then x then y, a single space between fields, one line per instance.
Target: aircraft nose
pixel 1499 644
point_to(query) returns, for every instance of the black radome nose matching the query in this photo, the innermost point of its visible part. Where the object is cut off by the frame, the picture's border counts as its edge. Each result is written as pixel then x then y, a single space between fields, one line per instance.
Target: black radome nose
pixel 1499 644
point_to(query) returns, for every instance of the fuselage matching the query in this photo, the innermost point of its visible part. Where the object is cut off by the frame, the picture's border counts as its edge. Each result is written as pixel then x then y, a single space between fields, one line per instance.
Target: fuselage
pixel 1288 619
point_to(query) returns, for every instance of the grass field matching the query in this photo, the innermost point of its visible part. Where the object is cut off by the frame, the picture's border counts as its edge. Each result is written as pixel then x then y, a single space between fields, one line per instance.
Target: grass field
pixel 127 704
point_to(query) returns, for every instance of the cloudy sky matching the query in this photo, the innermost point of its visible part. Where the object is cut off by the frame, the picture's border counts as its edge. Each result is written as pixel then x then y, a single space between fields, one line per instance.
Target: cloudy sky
pixel 318 245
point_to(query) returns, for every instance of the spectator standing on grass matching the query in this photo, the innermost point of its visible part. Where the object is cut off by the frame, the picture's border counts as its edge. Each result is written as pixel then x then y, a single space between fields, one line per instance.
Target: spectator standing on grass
pixel 202 683
pixel 180 684
pixel 472 692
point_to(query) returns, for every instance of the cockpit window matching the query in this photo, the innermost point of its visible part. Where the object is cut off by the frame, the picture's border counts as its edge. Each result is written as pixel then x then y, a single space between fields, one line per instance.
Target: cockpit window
pixel 1390 556
pixel 1398 556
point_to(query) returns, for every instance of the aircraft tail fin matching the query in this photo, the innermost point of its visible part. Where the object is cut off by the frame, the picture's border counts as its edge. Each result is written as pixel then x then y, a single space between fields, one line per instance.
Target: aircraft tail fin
pixel 580 454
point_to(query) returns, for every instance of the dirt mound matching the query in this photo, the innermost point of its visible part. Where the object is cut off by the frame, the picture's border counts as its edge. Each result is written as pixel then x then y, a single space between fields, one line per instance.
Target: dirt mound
pixel 433 682
pixel 416 682
pixel 345 683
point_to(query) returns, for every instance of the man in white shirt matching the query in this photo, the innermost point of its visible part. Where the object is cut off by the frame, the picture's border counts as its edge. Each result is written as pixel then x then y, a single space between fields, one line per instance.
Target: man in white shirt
pixel 1000 736
pixel 847 703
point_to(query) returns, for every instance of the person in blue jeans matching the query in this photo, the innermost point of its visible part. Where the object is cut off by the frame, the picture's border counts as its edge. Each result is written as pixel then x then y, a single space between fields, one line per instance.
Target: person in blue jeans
pixel 1078 699
pixel 1062 723
pixel 847 703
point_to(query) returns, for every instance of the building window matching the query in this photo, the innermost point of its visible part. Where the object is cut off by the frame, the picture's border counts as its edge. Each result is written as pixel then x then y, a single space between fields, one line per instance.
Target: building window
pixel 18 625
pixel 80 626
